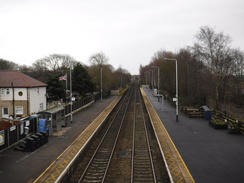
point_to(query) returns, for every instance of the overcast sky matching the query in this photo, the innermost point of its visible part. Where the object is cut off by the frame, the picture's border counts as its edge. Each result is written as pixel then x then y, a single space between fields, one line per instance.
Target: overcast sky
pixel 128 32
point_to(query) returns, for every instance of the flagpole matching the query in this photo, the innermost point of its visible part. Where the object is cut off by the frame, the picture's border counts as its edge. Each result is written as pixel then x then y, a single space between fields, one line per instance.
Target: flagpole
pixel 71 103
pixel 66 84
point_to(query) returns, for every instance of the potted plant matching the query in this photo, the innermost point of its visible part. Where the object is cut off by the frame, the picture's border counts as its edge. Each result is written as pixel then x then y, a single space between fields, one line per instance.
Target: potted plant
pixel 218 122
pixel 234 127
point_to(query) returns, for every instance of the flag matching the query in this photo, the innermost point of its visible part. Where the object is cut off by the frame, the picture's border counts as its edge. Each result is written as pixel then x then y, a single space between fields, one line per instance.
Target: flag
pixel 62 78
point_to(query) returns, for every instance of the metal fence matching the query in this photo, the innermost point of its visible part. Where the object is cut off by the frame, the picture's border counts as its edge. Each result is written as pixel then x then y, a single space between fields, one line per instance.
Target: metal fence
pixel 11 135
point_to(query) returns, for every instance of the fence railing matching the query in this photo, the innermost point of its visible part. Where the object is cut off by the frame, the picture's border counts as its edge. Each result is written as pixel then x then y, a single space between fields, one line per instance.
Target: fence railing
pixel 78 104
pixel 15 133
pixel 195 113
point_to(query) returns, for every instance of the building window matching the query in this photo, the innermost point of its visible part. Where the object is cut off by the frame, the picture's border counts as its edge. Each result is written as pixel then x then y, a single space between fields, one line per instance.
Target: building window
pixel 41 107
pixel 5 111
pixel 19 110
pixel 5 91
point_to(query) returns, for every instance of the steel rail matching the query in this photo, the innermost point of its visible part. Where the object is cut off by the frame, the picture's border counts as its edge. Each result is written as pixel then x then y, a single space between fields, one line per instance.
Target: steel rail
pixel 107 161
pixel 133 143
pixel 116 140
pixel 146 144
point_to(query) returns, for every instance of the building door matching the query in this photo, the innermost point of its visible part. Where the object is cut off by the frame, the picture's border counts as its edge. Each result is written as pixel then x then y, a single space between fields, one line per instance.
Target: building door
pixel 5 112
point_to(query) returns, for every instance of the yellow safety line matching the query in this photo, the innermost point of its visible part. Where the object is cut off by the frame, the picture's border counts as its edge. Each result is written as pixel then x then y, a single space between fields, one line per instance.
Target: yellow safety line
pixel 113 103
pixel 167 134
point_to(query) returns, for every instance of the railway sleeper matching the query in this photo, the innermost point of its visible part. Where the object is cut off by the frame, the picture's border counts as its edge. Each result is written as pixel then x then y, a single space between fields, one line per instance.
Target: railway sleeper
pixel 98 166
pixel 93 180
pixel 94 176
pixel 148 176
pixel 141 159
pixel 144 178
pixel 141 155
pixel 105 151
pixel 95 171
pixel 145 172
pixel 101 160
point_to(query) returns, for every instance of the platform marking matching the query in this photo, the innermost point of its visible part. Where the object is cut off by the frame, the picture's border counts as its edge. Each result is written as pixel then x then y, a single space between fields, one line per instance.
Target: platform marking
pixel 53 172
pixel 178 169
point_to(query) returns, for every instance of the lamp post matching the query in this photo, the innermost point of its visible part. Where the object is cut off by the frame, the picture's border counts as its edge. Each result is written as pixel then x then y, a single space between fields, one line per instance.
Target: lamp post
pixel 176 86
pixel 101 84
pixel 147 77
pixel 158 77
pixel 151 78
pixel 71 102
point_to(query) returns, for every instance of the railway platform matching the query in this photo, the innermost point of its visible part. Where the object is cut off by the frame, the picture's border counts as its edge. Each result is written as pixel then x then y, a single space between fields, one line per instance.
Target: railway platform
pixel 194 151
pixel 211 155
pixel 26 167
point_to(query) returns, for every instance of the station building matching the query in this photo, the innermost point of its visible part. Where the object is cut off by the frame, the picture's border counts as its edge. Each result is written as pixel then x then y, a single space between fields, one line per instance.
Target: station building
pixel 20 94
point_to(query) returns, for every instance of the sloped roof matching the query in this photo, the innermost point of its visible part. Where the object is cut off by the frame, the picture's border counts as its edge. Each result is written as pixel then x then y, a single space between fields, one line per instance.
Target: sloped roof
pixel 18 79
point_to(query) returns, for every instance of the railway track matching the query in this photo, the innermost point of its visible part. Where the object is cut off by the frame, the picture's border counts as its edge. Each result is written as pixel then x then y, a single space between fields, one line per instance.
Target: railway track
pixel 142 164
pixel 126 149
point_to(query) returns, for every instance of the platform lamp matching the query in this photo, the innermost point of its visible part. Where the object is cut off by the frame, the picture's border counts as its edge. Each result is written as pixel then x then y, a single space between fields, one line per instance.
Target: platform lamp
pixel 71 102
pixel 158 77
pixel 176 86
pixel 101 84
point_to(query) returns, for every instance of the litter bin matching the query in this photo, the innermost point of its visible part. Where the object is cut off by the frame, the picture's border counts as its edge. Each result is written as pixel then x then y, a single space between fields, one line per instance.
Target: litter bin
pixel 207 112
pixel 37 141
pixel 45 135
pixel 30 144
pixel 41 137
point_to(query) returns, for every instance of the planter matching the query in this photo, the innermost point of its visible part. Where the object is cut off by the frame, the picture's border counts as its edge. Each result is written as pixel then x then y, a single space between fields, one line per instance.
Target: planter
pixel 234 129
pixel 218 125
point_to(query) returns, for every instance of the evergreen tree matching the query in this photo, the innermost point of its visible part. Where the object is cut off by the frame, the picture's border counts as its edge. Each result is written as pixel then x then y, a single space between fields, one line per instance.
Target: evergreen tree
pixel 81 81
pixel 56 88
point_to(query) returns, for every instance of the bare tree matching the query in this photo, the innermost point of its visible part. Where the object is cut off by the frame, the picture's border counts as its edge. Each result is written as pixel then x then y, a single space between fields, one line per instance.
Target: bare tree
pixel 238 73
pixel 53 62
pixel 98 59
pixel 214 50
pixel 238 62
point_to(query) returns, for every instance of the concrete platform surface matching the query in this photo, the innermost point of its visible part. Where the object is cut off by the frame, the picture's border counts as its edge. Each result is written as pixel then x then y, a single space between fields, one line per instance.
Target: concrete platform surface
pixel 212 156
pixel 25 167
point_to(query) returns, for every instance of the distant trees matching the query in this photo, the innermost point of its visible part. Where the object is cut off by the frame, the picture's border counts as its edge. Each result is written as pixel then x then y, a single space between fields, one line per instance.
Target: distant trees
pixel 8 65
pixel 53 62
pixel 85 79
pixel 99 66
pixel 121 78
pixel 237 70
pixel 98 59
pixel 111 78
pixel 213 49
pixel 210 72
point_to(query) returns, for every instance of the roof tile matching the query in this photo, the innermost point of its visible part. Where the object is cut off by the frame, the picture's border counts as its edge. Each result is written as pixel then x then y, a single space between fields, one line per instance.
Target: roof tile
pixel 18 79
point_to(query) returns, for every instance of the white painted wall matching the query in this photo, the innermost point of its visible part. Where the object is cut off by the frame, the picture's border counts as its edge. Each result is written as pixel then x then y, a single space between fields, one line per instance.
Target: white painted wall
pixel 16 94
pixel 37 96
